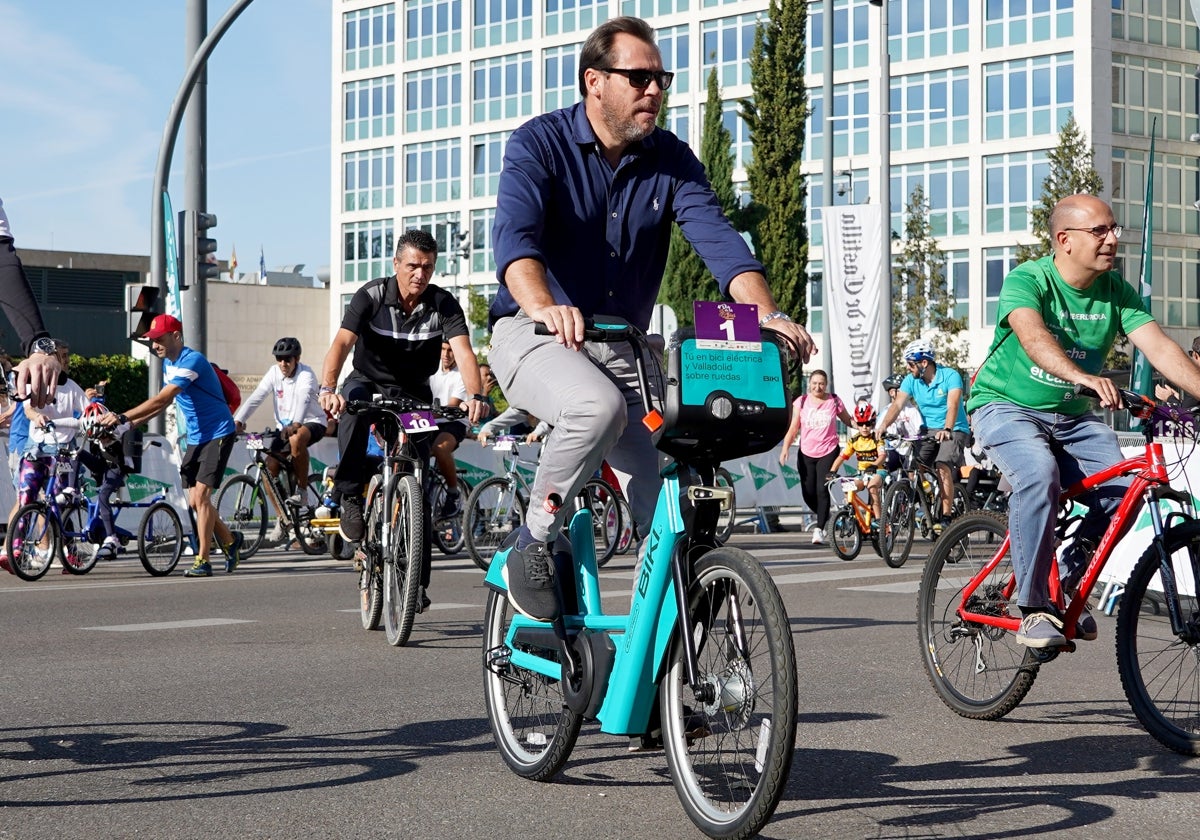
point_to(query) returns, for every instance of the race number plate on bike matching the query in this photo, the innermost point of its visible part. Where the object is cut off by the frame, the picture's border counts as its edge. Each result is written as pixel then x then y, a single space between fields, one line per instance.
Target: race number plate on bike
pixel 417 421
pixel 254 442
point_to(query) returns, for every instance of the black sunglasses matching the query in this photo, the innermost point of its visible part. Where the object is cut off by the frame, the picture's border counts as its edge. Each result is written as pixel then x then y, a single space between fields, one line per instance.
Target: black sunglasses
pixel 641 79
pixel 285 358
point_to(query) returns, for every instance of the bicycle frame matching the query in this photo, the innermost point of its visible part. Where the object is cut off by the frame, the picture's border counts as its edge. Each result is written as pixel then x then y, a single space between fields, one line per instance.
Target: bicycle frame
pixel 863 514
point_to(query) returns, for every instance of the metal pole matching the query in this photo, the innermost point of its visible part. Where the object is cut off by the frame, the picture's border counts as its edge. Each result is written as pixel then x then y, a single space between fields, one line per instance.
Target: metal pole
pixel 827 176
pixel 195 177
pixel 884 187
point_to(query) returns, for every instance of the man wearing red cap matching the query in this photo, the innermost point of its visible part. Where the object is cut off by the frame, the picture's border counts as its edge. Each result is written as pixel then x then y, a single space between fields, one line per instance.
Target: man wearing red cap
pixel 200 409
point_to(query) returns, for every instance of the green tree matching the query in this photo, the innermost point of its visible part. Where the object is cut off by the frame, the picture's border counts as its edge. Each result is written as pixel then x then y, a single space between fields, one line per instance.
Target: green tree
pixel 776 117
pixel 921 301
pixel 1071 172
pixel 477 307
pixel 127 378
pixel 686 278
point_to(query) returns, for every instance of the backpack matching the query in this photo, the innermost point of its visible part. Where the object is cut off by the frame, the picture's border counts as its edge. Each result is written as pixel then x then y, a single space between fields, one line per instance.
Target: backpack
pixel 233 397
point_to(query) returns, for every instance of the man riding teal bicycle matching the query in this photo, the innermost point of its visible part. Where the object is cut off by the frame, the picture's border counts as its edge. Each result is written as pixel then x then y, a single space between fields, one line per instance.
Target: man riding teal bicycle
pixel 585 203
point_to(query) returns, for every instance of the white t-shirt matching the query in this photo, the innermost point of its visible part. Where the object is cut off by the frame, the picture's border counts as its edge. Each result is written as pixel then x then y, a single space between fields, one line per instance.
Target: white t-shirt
pixel 69 403
pixel 446 384
pixel 295 397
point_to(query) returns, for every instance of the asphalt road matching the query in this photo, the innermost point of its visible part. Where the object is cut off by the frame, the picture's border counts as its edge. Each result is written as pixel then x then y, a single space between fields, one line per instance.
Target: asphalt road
pixel 253 705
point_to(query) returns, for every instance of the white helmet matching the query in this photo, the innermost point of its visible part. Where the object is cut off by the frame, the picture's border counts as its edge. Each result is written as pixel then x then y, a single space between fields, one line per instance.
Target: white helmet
pixel 92 427
pixel 918 349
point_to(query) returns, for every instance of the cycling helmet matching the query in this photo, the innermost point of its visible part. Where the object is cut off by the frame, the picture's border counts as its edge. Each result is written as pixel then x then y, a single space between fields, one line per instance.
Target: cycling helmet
pixel 864 413
pixel 90 422
pixel 917 350
pixel 287 346
pixel 892 381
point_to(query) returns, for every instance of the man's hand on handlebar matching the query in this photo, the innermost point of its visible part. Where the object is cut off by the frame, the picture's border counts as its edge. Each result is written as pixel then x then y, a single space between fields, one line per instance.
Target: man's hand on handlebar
pixel 333 402
pixel 804 343
pixel 1109 396
pixel 477 410
pixel 565 322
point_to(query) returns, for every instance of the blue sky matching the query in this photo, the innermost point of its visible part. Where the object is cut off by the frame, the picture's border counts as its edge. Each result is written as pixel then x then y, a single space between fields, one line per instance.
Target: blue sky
pixel 87 89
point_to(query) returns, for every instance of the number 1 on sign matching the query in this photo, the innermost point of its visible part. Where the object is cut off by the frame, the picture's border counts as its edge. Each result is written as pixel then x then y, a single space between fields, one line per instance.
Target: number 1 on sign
pixel 727 328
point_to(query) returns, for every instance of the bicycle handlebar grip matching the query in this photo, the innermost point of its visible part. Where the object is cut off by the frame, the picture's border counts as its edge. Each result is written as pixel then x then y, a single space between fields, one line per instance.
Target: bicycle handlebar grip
pixel 595 332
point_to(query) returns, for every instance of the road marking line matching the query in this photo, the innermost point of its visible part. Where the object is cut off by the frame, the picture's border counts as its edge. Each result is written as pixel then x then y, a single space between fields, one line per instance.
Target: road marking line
pixel 171 625
pixel 846 574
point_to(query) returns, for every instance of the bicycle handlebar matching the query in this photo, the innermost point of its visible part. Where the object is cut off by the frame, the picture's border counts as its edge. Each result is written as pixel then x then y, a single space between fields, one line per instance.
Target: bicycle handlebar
pixel 599 332
pixel 403 404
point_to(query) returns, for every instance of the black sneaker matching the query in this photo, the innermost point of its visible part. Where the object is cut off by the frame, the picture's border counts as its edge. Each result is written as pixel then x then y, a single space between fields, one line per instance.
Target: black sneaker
pixel 451 507
pixel 423 602
pixel 529 575
pixel 351 522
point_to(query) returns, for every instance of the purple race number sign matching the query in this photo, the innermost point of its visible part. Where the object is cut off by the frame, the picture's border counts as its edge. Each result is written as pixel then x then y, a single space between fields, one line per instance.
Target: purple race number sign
pixel 417 421
pixel 731 326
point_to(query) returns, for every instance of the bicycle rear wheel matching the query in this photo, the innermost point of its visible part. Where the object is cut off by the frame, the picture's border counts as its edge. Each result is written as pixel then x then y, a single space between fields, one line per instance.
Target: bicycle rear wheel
pixel 977 670
pixel 844 535
pixel 494 510
pixel 533 728
pixel 402 563
pixel 899 516
pixel 311 540
pixel 598 495
pixel 76 553
pixel 370 564
pixel 160 539
pixel 1160 669
pixel 242 506
pixel 448 531
pixel 731 779
pixel 32 541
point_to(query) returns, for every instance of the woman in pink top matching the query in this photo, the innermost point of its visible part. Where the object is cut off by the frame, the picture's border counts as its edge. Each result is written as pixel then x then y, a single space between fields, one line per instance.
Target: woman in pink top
pixel 814 417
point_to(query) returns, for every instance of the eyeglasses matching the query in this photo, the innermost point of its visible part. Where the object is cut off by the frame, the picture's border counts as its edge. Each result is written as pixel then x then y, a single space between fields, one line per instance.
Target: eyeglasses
pixel 285 358
pixel 641 79
pixel 1102 231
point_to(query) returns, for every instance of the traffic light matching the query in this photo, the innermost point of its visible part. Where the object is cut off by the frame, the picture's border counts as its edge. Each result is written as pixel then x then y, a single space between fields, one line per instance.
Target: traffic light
pixel 464 246
pixel 142 303
pixel 197 245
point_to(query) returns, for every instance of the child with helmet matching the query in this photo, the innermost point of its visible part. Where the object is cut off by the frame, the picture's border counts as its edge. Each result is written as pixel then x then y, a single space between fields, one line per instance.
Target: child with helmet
pixel 105 457
pixel 870 454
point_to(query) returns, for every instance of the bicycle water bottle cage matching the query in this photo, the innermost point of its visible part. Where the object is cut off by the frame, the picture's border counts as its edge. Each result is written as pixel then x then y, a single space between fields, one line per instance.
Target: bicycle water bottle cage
pixel 720 404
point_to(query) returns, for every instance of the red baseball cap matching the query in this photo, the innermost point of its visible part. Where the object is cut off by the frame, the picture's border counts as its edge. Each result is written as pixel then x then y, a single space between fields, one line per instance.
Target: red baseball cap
pixel 163 325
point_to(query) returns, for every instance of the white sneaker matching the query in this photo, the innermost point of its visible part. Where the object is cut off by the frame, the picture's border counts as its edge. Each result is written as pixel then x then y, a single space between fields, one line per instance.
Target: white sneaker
pixel 818 537
pixel 275 535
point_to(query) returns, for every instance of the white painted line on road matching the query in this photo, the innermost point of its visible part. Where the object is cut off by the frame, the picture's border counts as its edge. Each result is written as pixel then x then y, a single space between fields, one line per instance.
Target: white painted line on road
pixel 845 574
pixel 171 625
pixel 908 587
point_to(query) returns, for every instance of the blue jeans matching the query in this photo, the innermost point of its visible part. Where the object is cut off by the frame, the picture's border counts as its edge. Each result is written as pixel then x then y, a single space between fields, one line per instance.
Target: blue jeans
pixel 1040 453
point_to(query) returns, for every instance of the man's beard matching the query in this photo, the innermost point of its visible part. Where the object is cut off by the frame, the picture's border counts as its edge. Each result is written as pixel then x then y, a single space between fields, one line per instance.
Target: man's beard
pixel 625 130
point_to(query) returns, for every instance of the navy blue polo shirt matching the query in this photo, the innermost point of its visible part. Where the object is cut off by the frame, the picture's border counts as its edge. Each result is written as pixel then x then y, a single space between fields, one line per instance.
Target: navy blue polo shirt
pixel 602 233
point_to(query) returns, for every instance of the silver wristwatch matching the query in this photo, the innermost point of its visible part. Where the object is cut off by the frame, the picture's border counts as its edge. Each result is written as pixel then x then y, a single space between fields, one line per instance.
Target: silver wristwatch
pixel 45 345
pixel 774 316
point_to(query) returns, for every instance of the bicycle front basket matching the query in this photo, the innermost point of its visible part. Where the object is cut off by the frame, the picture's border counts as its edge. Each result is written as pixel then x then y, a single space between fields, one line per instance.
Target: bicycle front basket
pixel 719 403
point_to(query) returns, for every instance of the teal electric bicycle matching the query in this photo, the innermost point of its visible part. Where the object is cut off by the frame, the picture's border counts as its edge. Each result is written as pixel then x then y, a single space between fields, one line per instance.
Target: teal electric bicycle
pixel 724 676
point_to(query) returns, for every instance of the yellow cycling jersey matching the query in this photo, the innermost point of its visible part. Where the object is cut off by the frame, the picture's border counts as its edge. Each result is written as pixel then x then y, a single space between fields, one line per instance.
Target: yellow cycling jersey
pixel 866 449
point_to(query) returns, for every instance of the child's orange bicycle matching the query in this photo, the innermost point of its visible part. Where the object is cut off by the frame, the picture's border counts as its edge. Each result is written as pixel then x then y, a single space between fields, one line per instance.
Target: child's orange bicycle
pixel 967 616
pixel 853 521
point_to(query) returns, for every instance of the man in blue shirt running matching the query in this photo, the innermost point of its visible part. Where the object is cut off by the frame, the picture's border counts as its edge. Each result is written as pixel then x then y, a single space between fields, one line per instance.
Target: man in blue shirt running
pixel 200 409
pixel 584 208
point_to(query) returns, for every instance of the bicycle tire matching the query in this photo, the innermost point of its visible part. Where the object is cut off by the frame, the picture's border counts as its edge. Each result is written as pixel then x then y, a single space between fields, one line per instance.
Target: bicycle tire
pixel 312 541
pixel 843 533
pixel 402 564
pixel 242 506
pixel 495 509
pixel 448 532
pixel 533 728
pixel 76 553
pixel 978 670
pixel 728 518
pixel 899 515
pixel 31 525
pixel 160 539
pixel 370 565
pixel 1159 670
pixel 628 530
pixel 731 779
pixel 601 499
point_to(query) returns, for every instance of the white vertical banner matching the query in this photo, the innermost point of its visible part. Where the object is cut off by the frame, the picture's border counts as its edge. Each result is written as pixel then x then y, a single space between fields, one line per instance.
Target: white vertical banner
pixel 855 273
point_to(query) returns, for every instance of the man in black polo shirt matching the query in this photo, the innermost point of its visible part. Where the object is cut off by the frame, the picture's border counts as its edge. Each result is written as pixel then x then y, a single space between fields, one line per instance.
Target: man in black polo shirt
pixel 396 326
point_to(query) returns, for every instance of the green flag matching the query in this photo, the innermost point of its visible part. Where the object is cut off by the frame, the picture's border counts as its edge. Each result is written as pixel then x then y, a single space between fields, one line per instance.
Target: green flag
pixel 1140 380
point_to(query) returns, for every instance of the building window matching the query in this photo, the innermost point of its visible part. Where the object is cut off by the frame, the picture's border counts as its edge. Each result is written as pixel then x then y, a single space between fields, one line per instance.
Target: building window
pixel 727 44
pixel 1145 88
pixel 675 44
pixel 442 227
pixel 1175 191
pixel 851 121
pixel 1012 186
pixel 370 108
pixel 653 8
pixel 487 156
pixel 997 263
pixel 368 179
pixel 561 76
pixel 433 98
pixel 432 171
pixel 927 28
pixel 851 36
pixel 483 260
pixel 367 250
pixel 1028 97
pixel 679 122
pixel 574 15
pixel 930 109
pixel 1176 283
pixel 432 27
pixel 503 87
pixel 739 131
pixel 1166 24
pixel 369 37
pixel 947 192
pixel 1012 22
pixel 958 281
pixel 502 22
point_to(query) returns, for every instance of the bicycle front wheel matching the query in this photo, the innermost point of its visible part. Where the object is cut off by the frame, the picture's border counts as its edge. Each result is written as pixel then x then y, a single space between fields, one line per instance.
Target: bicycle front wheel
pixel 448 531
pixel 312 540
pixel 242 506
pixel 370 563
pixel 1159 667
pixel 32 541
pixel 978 670
pixel 77 554
pixel 899 517
pixel 533 728
pixel 402 562
pixel 844 535
pixel 729 751
pixel 160 539
pixel 494 510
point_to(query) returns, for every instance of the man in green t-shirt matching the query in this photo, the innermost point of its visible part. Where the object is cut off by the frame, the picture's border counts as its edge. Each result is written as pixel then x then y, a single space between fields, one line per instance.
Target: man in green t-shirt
pixel 1056 322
